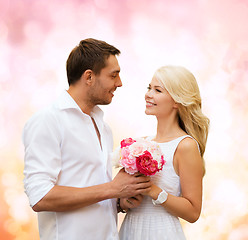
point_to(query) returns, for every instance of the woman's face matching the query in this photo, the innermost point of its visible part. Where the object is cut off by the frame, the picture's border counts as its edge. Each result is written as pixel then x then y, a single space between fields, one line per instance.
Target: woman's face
pixel 158 101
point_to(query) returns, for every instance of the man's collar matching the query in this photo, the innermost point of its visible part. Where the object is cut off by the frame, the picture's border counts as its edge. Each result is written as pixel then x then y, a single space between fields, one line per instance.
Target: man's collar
pixel 66 101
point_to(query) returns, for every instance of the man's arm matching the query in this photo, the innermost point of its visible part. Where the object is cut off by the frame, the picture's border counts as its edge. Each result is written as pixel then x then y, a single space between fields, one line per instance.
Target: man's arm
pixel 42 139
pixel 61 198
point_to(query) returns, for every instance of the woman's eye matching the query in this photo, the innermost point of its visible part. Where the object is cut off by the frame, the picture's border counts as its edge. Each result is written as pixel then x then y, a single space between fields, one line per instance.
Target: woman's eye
pixel 158 90
pixel 149 88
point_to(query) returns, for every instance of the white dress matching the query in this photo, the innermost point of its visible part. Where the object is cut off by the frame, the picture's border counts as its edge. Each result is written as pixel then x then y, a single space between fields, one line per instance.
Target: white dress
pixel 150 222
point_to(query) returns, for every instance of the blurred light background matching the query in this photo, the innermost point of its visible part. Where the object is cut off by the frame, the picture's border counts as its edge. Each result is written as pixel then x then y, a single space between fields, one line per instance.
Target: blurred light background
pixel 208 37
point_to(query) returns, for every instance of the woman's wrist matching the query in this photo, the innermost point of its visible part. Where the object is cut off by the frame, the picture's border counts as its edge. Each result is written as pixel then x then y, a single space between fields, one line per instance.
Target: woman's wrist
pixel 155 191
pixel 162 197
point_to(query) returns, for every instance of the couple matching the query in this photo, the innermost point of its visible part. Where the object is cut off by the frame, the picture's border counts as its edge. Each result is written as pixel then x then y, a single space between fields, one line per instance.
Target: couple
pixel 68 173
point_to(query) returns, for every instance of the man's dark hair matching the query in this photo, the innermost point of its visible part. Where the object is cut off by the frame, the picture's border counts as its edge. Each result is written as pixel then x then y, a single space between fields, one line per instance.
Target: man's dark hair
pixel 89 54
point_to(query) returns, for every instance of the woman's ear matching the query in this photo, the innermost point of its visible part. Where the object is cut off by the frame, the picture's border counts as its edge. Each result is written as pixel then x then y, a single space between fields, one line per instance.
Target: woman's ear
pixel 175 105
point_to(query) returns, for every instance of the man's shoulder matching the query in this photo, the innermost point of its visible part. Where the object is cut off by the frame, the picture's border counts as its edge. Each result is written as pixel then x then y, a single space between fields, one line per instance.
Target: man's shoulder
pixel 48 113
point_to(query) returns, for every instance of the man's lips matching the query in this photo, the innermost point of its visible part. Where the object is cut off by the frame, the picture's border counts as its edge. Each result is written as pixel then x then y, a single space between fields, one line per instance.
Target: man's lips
pixel 112 92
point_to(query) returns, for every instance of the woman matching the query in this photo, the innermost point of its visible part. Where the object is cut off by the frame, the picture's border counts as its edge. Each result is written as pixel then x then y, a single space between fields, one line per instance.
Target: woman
pixel 173 97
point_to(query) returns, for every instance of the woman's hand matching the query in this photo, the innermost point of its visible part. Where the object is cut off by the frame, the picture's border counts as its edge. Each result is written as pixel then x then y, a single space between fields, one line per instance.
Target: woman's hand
pixel 154 192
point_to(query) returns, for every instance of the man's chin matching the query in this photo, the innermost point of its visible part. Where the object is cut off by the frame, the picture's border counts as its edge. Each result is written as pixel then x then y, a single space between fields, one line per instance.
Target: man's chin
pixel 105 102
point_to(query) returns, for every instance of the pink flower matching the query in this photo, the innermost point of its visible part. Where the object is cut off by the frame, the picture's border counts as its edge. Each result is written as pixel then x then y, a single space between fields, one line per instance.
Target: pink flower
pixel 137 148
pixel 125 152
pixel 139 155
pixel 146 164
pixel 127 142
pixel 128 161
pixel 162 163
pixel 131 170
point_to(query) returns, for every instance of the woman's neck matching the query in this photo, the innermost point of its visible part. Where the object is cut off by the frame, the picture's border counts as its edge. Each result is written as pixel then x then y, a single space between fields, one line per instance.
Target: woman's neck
pixel 168 129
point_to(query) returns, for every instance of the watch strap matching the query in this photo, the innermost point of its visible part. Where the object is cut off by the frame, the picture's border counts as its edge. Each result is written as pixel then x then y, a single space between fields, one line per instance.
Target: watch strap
pixel 162 197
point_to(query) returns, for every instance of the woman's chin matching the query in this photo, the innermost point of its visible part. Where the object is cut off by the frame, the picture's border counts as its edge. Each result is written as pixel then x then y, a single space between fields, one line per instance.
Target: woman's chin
pixel 147 112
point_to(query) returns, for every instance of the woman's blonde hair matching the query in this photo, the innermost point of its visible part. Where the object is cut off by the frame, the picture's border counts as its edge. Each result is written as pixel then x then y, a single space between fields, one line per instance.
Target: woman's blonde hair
pixel 183 88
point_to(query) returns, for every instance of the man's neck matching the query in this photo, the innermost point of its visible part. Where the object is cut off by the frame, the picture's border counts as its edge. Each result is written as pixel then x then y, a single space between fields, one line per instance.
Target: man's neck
pixel 79 99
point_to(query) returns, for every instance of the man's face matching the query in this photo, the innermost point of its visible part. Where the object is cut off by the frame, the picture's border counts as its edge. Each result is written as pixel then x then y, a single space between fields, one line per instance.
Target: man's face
pixel 105 83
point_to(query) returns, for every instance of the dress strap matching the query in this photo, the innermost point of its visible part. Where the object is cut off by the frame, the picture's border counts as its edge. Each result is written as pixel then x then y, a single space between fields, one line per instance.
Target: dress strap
pixel 185 136
pixel 177 140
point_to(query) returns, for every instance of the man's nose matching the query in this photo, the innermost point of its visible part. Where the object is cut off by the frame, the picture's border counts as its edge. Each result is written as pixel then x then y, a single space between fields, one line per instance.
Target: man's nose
pixel 119 82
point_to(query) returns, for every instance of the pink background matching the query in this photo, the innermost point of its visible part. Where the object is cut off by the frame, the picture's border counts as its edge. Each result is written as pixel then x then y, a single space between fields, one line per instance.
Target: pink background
pixel 210 38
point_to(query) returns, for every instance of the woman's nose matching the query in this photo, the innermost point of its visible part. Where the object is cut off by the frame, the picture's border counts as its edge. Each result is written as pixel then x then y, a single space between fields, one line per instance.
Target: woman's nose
pixel 148 94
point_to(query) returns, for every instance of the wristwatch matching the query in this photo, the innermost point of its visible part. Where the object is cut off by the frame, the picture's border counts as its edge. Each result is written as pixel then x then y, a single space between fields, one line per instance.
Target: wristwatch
pixel 162 197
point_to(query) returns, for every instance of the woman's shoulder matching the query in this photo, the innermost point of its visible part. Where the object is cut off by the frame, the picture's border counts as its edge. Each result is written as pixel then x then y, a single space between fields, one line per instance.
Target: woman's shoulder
pixel 187 144
pixel 188 156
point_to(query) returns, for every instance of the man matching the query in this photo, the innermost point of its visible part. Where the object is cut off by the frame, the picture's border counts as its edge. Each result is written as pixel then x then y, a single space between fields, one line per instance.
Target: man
pixel 67 170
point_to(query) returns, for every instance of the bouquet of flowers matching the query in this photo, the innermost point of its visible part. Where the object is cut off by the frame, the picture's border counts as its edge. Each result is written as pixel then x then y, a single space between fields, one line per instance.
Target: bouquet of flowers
pixel 139 155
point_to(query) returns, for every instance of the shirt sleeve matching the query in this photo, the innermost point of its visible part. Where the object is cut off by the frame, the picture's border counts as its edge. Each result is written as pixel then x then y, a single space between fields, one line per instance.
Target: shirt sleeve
pixel 42 140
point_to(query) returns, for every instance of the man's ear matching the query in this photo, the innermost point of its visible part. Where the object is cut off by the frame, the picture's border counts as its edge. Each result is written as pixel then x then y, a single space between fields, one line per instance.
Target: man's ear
pixel 88 77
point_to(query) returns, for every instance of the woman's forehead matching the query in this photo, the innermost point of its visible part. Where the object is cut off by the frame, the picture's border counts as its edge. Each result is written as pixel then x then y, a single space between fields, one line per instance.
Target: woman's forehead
pixel 156 83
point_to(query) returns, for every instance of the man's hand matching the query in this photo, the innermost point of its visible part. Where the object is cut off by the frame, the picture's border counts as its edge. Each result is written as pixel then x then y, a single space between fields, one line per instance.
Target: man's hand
pixel 132 202
pixel 127 186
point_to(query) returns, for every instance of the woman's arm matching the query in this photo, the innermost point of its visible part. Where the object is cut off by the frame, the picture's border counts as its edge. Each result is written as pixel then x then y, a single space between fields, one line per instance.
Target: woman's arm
pixel 189 166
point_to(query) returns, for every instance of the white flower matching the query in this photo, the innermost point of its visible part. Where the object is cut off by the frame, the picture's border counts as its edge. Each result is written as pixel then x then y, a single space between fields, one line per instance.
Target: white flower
pixel 116 156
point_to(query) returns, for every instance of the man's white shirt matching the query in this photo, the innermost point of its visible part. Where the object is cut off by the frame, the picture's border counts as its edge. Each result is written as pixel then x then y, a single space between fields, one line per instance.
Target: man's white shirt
pixel 62 148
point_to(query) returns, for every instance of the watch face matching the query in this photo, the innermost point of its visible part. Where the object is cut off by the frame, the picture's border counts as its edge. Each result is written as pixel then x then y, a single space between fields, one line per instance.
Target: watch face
pixel 162 197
